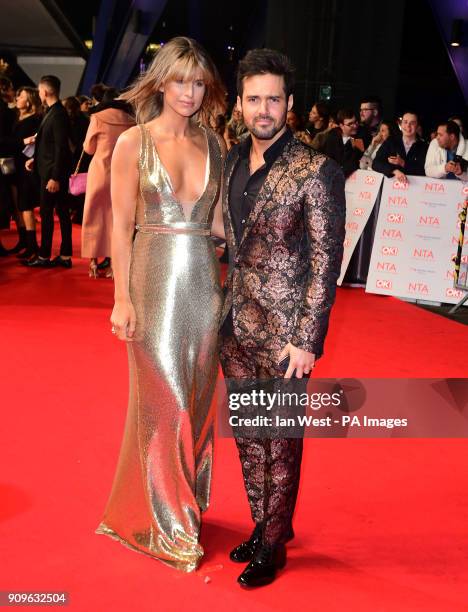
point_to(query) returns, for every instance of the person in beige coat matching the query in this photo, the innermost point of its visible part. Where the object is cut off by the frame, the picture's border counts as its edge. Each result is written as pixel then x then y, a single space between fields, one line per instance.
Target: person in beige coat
pixel 108 120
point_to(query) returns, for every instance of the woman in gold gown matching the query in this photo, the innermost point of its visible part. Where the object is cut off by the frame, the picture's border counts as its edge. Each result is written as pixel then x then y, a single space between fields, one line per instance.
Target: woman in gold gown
pixel 166 175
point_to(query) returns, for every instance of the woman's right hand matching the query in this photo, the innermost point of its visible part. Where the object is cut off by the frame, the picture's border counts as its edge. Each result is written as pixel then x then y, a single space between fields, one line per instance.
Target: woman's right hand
pixel 123 320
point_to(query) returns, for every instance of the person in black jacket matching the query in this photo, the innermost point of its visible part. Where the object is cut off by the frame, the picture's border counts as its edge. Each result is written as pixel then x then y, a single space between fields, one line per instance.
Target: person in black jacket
pixel 52 164
pixel 26 191
pixel 403 155
pixel 341 143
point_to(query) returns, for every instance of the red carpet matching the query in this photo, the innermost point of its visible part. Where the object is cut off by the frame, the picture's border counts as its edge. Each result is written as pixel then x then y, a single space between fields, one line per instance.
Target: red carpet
pixel 381 524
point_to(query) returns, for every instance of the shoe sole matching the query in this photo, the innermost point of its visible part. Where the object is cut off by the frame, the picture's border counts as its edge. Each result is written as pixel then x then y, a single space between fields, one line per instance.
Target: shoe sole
pixel 241 561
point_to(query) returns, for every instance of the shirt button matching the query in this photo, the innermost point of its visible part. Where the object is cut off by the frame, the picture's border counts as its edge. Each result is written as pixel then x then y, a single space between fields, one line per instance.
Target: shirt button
pixel 245 193
pixel 243 221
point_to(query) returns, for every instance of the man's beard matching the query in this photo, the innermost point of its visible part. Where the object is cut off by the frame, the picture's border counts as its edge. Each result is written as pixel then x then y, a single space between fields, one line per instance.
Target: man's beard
pixel 266 132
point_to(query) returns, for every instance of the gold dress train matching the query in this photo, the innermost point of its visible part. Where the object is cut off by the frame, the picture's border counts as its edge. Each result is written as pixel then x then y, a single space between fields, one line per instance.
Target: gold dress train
pixel 163 477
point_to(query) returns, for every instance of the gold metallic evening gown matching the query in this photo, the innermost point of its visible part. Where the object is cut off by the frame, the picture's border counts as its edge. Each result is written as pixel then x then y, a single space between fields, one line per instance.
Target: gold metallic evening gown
pixel 163 477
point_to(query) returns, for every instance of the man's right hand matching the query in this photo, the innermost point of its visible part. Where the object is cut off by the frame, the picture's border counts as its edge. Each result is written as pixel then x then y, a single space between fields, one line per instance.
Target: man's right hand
pixel 29 165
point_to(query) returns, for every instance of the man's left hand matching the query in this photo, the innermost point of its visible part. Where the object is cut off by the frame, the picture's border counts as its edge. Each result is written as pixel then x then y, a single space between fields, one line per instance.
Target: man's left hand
pixel 52 186
pixel 301 361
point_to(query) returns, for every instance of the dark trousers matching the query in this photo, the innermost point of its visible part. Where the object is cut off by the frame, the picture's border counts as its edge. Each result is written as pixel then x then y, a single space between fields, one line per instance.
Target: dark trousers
pixel 49 202
pixel 270 467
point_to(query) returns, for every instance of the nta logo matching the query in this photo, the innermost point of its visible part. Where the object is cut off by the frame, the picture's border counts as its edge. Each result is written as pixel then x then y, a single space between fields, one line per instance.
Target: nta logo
pixel 391 233
pixel 418 288
pixel 434 187
pixel 423 254
pixel 398 201
pixel 386 266
pixel 429 220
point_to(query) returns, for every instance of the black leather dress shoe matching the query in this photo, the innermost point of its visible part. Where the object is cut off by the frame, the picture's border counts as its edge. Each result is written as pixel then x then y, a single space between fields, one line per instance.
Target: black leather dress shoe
pixel 37 262
pixel 60 261
pixel 267 560
pixel 245 551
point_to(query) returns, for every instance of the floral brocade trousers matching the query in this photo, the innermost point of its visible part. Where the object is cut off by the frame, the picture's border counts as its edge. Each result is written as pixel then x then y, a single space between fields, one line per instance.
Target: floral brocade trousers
pixel 270 466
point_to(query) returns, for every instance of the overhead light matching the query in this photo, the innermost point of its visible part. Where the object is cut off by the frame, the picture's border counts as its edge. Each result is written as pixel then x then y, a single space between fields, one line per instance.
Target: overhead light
pixel 456 38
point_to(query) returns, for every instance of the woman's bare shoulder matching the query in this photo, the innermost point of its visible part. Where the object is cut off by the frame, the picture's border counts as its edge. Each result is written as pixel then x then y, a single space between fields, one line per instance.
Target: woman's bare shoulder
pixel 128 142
pixel 132 136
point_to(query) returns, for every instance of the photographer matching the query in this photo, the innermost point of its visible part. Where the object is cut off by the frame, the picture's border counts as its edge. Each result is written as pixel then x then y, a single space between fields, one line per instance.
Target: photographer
pixel 447 156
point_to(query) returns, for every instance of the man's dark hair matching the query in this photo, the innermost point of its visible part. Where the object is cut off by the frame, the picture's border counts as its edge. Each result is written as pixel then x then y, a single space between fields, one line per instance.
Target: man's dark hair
pixel 345 113
pixel 52 82
pixel 265 61
pixel 97 91
pixel 374 100
pixel 410 111
pixel 451 127
pixel 110 93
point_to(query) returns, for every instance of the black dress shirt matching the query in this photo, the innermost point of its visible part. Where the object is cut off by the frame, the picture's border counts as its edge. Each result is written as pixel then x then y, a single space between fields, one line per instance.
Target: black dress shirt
pixel 245 187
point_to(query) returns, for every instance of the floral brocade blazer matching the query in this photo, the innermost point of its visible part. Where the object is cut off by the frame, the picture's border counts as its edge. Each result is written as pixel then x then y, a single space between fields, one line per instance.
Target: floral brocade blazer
pixel 281 281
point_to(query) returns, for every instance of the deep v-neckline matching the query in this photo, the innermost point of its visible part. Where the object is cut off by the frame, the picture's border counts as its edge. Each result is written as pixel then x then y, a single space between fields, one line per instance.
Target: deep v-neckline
pixel 169 181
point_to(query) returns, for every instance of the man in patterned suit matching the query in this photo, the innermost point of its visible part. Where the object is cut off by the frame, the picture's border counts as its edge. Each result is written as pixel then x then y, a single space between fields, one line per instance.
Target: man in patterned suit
pixel 284 213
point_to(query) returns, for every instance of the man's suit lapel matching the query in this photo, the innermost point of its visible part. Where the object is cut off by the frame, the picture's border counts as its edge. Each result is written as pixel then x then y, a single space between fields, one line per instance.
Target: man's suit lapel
pixel 276 172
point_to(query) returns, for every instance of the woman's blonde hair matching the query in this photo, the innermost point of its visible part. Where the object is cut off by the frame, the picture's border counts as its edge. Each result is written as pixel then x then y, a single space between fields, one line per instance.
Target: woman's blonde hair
pixel 179 58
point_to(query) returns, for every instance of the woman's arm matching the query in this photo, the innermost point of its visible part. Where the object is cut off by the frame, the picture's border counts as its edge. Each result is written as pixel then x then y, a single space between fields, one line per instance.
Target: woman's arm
pixel 90 142
pixel 124 192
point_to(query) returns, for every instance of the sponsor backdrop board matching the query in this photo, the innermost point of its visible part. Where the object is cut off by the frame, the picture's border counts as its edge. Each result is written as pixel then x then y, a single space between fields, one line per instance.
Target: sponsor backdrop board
pixel 362 189
pixel 416 238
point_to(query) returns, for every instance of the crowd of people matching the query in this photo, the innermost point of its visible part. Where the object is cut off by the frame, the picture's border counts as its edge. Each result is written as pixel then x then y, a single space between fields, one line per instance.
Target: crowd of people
pixel 393 147
pixel 44 139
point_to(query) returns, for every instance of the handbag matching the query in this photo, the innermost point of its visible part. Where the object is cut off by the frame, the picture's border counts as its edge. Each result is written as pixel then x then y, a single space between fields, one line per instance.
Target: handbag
pixel 77 181
pixel 7 165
